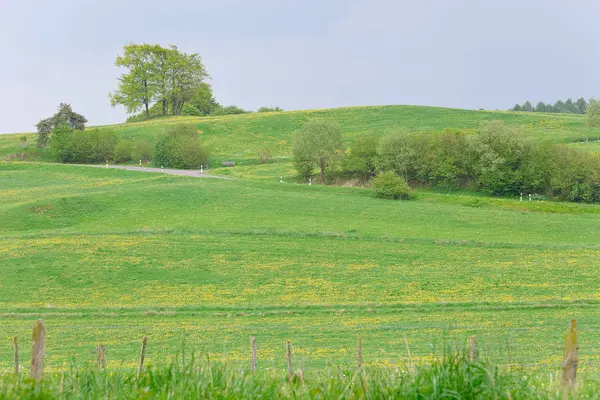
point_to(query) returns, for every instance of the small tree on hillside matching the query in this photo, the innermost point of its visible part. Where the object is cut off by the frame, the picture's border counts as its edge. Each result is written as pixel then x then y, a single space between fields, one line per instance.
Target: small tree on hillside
pixel 397 152
pixel 361 157
pixel 593 114
pixel 317 142
pixel 64 115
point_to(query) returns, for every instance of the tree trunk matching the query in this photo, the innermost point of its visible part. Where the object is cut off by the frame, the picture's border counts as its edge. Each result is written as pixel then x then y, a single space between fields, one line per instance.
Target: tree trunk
pixel 147 110
pixel 322 165
pixel 164 107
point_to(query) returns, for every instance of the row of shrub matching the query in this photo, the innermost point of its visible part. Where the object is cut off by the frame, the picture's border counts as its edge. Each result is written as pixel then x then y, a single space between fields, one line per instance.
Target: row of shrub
pixel 178 147
pixel 497 158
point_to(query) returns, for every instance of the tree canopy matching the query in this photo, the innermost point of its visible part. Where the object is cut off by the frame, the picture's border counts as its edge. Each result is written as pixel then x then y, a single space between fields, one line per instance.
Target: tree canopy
pixel 317 142
pixel 593 114
pixel 155 74
pixel 64 116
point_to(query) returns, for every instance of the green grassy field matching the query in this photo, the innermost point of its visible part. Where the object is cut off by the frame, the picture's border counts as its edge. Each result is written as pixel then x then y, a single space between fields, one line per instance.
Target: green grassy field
pixel 108 256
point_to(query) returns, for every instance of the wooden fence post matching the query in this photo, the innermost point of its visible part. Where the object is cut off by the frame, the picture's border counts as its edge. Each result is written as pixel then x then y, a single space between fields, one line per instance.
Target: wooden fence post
pixel 142 355
pixel 254 362
pixel 472 350
pixel 289 360
pixel 37 349
pixel 571 357
pixel 16 345
pixel 359 361
pixel 101 356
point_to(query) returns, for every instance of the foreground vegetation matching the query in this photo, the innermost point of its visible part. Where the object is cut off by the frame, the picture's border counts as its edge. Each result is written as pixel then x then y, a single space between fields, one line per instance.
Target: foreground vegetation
pixel 447 377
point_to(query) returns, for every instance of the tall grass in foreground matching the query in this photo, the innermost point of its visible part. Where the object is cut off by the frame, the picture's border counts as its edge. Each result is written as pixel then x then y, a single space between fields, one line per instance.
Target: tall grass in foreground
pixel 451 377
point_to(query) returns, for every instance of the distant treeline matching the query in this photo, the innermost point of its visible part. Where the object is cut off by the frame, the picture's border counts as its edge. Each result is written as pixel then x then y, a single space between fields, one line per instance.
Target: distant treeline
pixel 569 106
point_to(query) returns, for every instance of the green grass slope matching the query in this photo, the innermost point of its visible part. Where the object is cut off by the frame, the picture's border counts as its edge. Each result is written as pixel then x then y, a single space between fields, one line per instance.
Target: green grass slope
pixel 108 256
pixel 241 137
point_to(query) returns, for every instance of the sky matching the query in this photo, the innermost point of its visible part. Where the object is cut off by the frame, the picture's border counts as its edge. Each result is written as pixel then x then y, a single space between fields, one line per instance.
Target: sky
pixel 303 54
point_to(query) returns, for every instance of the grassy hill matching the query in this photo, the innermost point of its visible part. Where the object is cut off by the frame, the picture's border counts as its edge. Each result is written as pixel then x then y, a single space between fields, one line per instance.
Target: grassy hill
pixel 241 137
pixel 108 256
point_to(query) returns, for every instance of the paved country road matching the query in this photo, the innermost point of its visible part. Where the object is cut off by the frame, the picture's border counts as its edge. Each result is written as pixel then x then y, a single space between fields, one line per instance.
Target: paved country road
pixel 183 172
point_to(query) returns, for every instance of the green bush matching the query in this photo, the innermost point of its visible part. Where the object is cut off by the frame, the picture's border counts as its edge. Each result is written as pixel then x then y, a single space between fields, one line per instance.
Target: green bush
pixel 75 146
pixel 123 151
pixel 179 147
pixel 361 158
pixel 229 110
pixel 142 151
pixel 269 109
pixel 388 185
pixel 61 142
pixel 94 146
pixel 190 110
pixel 305 168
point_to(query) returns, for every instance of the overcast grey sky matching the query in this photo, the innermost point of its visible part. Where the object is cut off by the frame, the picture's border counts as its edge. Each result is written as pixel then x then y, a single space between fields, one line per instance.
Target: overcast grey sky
pixel 301 54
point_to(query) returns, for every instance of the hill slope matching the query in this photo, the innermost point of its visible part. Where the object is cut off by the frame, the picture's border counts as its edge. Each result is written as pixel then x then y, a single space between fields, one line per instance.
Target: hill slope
pixel 241 137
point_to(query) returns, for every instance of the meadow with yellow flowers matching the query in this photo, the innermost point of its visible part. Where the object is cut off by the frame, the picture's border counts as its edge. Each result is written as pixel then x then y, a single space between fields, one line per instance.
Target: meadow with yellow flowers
pixel 109 256
pixel 198 266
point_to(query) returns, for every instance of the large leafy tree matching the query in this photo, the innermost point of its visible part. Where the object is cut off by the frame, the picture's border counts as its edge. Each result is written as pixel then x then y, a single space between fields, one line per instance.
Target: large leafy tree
pixel 160 78
pixel 317 142
pixel 137 87
pixel 204 100
pixel 64 116
pixel 186 73
pixel 156 74
pixel 397 152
